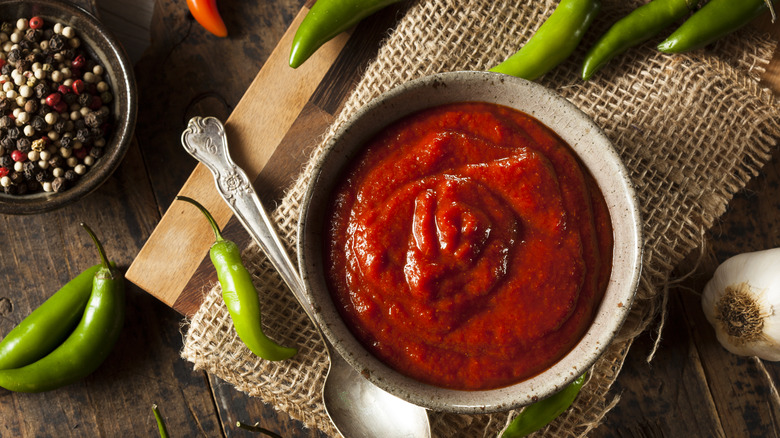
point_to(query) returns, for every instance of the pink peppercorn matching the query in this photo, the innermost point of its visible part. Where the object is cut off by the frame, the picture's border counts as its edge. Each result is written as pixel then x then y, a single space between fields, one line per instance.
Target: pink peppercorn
pixel 18 155
pixel 3 171
pixel 36 22
pixel 78 86
pixel 62 89
pixel 53 99
pixel 78 62
pixel 60 107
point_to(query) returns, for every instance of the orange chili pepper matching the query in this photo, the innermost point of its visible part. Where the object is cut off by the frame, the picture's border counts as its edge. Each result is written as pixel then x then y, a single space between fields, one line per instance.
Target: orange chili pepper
pixel 206 13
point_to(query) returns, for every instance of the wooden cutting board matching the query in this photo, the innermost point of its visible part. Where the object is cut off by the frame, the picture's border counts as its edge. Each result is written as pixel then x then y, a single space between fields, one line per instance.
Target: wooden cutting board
pixel 278 121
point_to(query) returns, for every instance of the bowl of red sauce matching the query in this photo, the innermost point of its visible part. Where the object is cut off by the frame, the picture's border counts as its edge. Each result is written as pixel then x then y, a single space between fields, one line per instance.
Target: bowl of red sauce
pixel 471 242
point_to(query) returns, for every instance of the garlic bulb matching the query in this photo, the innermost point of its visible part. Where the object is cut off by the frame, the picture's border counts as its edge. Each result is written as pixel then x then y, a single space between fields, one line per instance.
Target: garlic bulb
pixel 742 302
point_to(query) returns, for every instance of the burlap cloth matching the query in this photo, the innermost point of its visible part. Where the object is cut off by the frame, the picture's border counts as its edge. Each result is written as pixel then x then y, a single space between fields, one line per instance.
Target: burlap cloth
pixel 692 130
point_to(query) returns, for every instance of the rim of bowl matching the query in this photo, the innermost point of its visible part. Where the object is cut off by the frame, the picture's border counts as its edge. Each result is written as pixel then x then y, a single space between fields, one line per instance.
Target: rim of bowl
pixel 108 51
pixel 588 142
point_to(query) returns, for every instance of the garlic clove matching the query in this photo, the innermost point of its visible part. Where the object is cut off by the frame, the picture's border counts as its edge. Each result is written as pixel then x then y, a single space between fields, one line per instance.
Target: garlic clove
pixel 741 302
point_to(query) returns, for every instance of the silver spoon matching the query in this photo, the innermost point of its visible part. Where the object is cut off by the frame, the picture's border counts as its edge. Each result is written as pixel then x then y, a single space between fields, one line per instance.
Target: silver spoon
pixel 356 407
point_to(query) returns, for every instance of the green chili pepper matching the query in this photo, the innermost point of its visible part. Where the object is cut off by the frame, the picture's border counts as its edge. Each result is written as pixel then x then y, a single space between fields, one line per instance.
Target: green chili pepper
pixel 635 28
pixel 49 324
pixel 240 294
pixel 87 346
pixel 553 42
pixel 540 414
pixel 325 20
pixel 713 21
pixel 160 422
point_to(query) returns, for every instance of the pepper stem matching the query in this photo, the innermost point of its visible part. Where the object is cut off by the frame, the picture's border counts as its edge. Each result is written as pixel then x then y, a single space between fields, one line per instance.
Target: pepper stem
pixel 214 226
pixel 101 251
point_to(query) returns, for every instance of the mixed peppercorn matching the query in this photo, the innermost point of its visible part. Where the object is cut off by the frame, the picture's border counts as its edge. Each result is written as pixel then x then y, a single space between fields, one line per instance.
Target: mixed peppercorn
pixel 54 117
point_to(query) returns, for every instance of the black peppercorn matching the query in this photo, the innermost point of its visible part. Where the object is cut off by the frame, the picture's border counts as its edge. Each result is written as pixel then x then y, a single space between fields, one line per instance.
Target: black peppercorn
pixel 14 56
pixel 56 161
pixel 11 190
pixel 42 175
pixel 59 184
pixel 5 122
pixel 38 123
pixel 6 161
pixel 16 177
pixel 6 105
pixel 57 42
pixel 24 144
pixel 14 132
pixel 82 135
pixel 85 99
pixel 6 69
pixel 94 119
pixel 59 127
pixel 41 90
pixel 7 143
pixel 96 152
pixel 33 35
pixel 66 142
pixel 71 175
pixel 21 188
pixel 28 169
pixel 79 124
pixel 23 65
pixel 25 45
pixel 7 27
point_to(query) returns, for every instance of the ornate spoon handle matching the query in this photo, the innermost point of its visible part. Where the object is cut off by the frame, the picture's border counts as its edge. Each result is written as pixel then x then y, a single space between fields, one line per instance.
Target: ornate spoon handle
pixel 205 140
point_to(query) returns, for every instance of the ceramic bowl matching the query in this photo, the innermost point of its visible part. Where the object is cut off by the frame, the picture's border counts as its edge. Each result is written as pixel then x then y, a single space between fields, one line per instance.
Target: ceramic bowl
pixel 589 143
pixel 108 52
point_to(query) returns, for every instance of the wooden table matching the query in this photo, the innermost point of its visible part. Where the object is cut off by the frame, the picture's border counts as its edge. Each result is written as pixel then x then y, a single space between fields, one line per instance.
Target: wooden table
pixel 691 388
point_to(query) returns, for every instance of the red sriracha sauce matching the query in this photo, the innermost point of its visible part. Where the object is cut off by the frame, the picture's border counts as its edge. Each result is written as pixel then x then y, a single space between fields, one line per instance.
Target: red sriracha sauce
pixel 467 247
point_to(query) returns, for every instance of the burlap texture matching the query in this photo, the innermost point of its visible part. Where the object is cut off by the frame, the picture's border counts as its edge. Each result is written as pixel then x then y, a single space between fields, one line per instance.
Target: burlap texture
pixel 692 130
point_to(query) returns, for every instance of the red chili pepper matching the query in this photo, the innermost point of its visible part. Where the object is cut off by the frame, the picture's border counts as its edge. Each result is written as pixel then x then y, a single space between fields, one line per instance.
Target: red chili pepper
pixel 206 13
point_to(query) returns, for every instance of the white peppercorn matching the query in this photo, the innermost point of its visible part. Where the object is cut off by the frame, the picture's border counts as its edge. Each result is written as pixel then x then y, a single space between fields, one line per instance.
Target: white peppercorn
pixel 28 130
pixel 33 155
pixel 80 169
pixel 68 32
pixel 89 160
pixel 43 164
pixel 89 77
pixel 5 181
pixel 46 186
pixel 65 152
pixel 72 161
pixel 18 166
pixel 58 172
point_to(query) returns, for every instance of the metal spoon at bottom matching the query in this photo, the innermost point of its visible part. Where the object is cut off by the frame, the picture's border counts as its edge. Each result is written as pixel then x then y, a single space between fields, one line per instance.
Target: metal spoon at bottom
pixel 356 407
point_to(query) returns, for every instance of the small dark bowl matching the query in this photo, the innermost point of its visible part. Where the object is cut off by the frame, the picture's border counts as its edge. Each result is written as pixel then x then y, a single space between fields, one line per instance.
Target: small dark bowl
pixel 106 49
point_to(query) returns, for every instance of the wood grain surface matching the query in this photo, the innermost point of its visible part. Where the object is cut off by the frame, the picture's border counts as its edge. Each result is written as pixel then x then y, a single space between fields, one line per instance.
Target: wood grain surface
pixel 691 388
